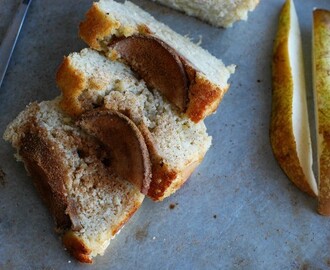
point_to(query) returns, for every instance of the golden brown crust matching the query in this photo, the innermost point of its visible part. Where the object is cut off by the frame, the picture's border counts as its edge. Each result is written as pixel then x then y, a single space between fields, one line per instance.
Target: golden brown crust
pixel 79 250
pixel 170 181
pixel 281 120
pixel 144 29
pixel 321 49
pixel 162 176
pixel 116 229
pixel 71 82
pixel 76 247
pixel 96 26
pixel 204 97
pixel 165 181
pixel 182 177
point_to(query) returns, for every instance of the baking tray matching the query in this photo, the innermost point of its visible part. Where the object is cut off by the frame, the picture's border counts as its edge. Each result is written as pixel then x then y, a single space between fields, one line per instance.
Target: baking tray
pixel 237 211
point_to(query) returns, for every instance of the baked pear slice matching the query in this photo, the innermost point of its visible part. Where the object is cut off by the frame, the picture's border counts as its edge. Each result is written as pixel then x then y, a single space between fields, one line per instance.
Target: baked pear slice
pixel 289 130
pixel 129 156
pixel 321 70
pixel 157 63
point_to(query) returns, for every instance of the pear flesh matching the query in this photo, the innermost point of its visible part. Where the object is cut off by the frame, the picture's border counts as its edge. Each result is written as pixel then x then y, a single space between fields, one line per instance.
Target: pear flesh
pixel 158 64
pixel 129 156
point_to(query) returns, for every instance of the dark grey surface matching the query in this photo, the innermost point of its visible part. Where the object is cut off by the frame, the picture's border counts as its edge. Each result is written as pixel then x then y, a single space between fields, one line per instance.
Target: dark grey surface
pixel 238 211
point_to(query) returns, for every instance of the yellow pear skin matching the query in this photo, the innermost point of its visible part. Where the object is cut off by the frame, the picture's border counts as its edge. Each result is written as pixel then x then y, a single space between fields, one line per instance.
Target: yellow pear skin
pixel 321 65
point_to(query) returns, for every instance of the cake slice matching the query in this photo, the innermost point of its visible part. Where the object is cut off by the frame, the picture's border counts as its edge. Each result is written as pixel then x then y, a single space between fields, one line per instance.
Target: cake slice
pixel 72 173
pixel 220 13
pixel 176 145
pixel 187 75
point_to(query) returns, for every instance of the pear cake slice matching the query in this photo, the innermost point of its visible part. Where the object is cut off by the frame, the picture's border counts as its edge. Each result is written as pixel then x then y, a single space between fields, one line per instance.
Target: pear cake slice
pixel 187 75
pixel 73 175
pixel 176 144
pixel 289 130
pixel 220 13
pixel 321 69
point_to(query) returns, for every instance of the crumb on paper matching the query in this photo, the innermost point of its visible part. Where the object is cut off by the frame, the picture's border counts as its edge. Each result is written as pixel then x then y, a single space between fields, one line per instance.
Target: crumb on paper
pixel 199 42
pixel 173 205
pixel 187 36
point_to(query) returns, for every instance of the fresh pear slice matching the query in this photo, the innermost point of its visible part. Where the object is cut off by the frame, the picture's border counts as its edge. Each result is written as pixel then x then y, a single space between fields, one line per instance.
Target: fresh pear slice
pixel 321 68
pixel 289 130
pixel 157 63
pixel 129 156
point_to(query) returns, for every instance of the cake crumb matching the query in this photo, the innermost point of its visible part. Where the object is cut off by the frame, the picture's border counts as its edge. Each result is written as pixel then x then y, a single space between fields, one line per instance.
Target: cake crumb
pixel 328 262
pixel 173 205
pixel 199 42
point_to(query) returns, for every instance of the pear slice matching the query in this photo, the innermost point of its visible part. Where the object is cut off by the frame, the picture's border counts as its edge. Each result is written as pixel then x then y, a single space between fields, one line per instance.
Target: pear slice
pixel 289 130
pixel 158 64
pixel 321 69
pixel 49 174
pixel 129 156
